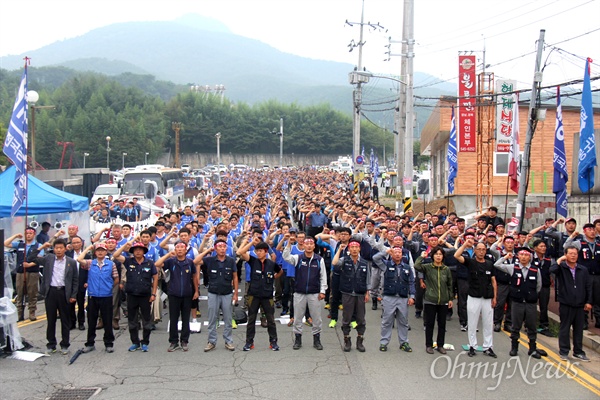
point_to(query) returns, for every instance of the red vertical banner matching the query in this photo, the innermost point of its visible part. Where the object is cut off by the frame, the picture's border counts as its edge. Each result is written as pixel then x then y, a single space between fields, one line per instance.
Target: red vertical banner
pixel 467 89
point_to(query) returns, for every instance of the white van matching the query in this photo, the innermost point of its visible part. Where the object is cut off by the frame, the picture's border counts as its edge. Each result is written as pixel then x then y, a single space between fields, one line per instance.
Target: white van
pixel 103 191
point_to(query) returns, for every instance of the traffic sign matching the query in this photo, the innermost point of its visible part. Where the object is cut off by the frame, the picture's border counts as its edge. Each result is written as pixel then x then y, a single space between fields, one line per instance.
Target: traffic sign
pixel 359 160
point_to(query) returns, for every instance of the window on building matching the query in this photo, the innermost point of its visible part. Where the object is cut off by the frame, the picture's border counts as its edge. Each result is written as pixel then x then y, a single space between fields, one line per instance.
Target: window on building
pixel 501 163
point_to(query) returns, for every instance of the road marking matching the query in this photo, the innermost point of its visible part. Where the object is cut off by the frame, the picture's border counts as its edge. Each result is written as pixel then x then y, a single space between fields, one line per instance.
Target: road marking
pixel 579 375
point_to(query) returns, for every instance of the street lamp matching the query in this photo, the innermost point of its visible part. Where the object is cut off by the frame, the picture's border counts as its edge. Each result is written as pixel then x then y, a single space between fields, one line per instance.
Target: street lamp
pixel 123 166
pixel 146 158
pixel 218 136
pixel 32 98
pixel 280 134
pixel 108 152
pixel 84 156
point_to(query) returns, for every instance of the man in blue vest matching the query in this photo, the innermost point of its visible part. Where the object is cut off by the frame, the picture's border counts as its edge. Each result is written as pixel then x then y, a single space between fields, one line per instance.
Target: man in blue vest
pixel 311 284
pixel 263 272
pixel 525 284
pixel 222 278
pixel 354 284
pixel 139 279
pixel 102 278
pixel 398 293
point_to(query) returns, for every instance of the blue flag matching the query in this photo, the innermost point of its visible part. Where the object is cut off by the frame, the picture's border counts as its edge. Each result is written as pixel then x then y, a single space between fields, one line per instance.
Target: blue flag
pixel 587 141
pixel 15 145
pixel 452 155
pixel 376 168
pixel 372 161
pixel 559 186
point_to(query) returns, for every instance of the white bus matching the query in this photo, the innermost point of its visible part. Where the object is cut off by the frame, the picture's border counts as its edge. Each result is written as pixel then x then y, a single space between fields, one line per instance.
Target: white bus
pixel 148 181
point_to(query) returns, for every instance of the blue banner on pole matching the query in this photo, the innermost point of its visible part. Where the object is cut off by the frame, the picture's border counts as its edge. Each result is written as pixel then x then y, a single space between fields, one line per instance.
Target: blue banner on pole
pixel 452 155
pixel 587 141
pixel 15 144
pixel 559 186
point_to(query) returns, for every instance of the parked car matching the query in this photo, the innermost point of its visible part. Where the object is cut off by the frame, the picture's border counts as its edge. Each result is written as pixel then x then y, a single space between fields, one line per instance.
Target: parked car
pixel 105 190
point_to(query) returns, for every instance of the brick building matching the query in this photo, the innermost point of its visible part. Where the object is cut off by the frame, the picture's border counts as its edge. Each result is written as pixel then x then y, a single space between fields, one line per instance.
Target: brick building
pixel 434 142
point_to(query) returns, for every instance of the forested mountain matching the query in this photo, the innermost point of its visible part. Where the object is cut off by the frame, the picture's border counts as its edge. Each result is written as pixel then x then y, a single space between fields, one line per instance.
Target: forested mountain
pixel 89 107
pixel 202 51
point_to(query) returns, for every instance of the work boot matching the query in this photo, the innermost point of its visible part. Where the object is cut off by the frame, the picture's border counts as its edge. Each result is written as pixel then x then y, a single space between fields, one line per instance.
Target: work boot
pixel 317 342
pixel 347 343
pixel 514 349
pixel 297 342
pixel 359 344
pixel 535 352
pixel 374 304
pixel 32 316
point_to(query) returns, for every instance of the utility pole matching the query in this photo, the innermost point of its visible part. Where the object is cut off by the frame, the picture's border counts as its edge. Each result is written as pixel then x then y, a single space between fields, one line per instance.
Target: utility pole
pixel 358 80
pixel 408 33
pixel 358 77
pixel 176 126
pixel 531 122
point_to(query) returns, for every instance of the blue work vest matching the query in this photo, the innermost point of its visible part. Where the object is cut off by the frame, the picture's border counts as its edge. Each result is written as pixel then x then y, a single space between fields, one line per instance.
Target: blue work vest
pixel 308 274
pixel 353 281
pixel 100 281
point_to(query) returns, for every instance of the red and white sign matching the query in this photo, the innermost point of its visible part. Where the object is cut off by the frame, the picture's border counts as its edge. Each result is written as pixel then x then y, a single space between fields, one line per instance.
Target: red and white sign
pixel 467 89
pixel 505 111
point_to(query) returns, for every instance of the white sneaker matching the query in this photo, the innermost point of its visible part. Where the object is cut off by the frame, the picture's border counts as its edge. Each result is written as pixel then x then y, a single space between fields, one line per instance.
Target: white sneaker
pixel 195 321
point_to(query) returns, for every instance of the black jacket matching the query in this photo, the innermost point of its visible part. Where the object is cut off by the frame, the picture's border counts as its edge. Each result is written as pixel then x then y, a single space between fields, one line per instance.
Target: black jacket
pixel 572 293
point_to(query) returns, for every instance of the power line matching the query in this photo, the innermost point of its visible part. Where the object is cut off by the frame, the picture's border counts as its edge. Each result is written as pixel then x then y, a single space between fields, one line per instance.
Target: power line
pixel 511 30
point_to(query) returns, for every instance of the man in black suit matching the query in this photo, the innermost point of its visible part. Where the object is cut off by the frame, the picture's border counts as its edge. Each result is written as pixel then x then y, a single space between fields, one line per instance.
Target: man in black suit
pixel 60 288
pixel 78 317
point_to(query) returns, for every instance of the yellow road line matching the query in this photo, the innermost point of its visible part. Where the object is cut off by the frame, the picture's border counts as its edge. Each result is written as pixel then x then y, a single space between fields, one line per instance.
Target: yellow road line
pixel 576 373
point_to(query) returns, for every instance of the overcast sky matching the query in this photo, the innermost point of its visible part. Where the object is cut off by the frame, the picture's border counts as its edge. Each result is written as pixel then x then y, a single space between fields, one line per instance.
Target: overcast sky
pixel 509 30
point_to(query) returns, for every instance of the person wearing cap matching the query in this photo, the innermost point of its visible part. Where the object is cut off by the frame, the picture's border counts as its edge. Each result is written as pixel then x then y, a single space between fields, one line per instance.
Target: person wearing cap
pixel 561 237
pixel 139 279
pixel 311 285
pixel 504 246
pixel 354 285
pixel 102 278
pixel 589 257
pixel 183 289
pixel 482 294
pixel 222 279
pixel 525 284
pixel 543 263
pixel 28 274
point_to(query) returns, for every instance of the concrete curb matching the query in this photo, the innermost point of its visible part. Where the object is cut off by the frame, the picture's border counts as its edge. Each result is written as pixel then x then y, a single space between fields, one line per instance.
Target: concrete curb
pixel 590 339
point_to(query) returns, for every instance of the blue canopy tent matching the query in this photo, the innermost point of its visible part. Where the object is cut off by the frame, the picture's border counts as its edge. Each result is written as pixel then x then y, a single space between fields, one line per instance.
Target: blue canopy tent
pixel 42 198
pixel 45 204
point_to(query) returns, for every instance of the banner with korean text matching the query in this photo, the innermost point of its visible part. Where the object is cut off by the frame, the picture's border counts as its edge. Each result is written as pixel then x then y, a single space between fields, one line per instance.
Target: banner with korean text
pixel 467 89
pixel 504 113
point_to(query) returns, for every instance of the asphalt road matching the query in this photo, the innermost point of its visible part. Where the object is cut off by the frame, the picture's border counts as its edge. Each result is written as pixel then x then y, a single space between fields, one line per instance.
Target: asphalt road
pixel 305 373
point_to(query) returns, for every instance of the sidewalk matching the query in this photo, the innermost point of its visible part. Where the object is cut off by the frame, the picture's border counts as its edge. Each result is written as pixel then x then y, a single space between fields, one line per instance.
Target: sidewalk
pixel 591 337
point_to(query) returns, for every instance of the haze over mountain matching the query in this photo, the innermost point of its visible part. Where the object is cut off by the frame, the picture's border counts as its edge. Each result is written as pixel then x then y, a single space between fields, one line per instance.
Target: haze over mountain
pixel 203 51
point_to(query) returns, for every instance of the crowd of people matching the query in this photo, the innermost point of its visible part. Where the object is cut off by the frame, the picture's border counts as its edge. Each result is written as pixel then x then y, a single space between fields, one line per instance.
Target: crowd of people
pixel 297 241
